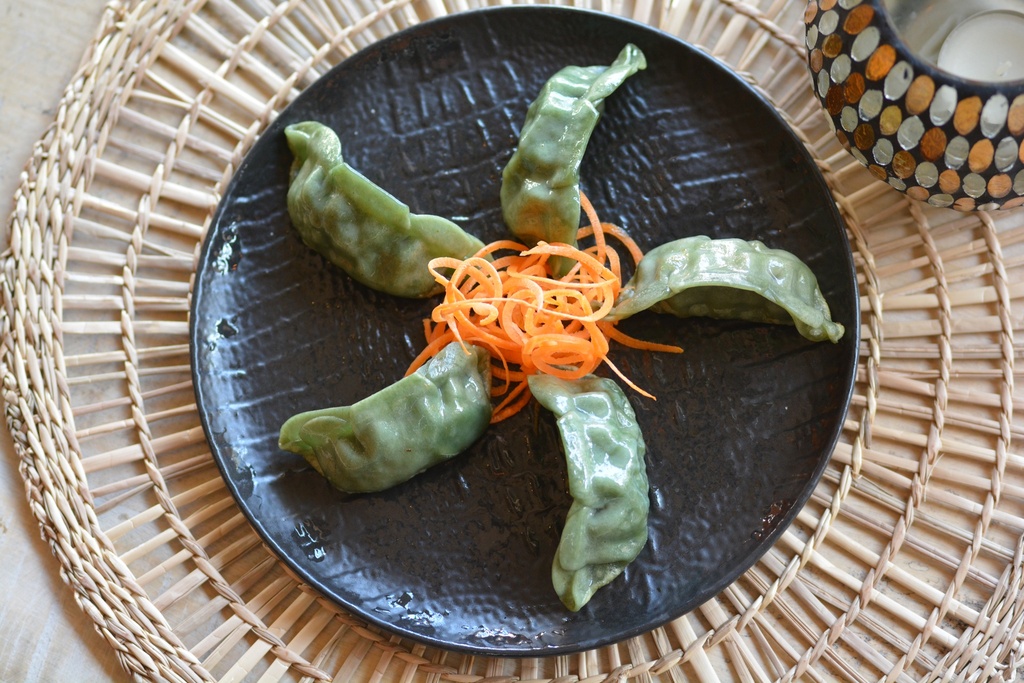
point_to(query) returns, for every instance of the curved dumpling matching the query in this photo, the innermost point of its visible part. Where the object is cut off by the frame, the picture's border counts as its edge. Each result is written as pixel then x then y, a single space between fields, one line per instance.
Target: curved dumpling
pixel 360 227
pixel 389 437
pixel 606 527
pixel 732 279
pixel 540 196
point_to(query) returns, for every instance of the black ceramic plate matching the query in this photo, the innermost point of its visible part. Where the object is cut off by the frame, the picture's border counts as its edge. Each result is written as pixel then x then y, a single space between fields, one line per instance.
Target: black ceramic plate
pixel 460 557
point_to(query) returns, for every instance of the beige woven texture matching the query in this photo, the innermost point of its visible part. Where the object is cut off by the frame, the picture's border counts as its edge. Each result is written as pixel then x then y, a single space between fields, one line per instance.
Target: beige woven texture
pixel 906 564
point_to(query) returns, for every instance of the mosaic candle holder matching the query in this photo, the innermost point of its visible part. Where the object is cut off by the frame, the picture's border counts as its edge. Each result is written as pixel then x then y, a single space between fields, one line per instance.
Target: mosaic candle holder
pixel 940 138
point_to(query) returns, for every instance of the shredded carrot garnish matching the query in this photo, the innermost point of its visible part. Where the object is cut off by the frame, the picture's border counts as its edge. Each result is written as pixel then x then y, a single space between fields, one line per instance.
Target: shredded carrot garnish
pixel 505 299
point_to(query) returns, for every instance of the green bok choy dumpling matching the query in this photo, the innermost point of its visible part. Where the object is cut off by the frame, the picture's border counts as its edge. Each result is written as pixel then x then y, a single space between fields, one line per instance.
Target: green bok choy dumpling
pixel 359 226
pixel 728 279
pixel 606 527
pixel 540 194
pixel 391 436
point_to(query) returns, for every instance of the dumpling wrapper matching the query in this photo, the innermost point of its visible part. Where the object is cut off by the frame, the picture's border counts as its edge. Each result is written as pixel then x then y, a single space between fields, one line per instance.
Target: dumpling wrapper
pixel 389 437
pixel 731 279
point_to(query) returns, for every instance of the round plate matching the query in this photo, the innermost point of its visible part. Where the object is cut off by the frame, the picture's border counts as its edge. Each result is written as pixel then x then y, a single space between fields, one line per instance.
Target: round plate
pixel 459 557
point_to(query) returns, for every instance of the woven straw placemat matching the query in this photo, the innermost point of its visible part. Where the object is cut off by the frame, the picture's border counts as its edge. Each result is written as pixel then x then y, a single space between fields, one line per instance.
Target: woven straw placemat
pixel 906 565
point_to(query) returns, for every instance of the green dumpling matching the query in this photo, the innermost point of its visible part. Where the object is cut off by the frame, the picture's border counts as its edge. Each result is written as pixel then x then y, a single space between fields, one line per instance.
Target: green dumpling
pixel 391 436
pixel 728 279
pixel 606 527
pixel 360 227
pixel 540 194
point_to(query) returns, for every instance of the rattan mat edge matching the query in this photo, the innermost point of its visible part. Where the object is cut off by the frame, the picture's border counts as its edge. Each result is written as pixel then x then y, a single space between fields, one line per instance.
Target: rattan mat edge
pixel 906 564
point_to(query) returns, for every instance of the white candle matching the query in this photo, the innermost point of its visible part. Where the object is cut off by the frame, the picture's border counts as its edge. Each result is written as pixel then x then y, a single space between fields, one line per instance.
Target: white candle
pixel 986 47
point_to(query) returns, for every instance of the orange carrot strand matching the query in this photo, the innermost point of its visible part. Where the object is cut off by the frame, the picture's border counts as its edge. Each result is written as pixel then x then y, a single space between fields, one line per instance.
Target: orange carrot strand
pixel 513 402
pixel 617 335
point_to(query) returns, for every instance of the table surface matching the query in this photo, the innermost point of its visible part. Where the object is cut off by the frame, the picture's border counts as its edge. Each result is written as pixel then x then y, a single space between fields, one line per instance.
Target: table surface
pixel 44 636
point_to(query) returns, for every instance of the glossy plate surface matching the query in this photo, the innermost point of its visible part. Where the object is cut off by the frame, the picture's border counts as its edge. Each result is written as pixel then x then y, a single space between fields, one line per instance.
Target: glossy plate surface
pixel 460 557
